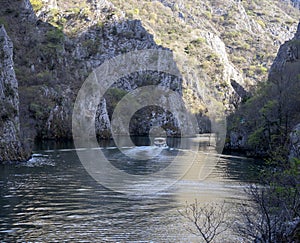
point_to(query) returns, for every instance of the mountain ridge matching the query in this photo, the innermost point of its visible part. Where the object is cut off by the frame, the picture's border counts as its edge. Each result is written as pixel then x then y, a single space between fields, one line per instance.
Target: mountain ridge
pixel 226 44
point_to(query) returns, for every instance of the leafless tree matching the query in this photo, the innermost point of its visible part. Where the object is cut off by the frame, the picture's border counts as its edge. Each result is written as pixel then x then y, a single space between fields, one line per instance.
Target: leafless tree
pixel 269 215
pixel 205 220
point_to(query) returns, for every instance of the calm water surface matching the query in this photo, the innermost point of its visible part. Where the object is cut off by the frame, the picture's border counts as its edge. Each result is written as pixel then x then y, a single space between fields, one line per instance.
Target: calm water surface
pixel 52 198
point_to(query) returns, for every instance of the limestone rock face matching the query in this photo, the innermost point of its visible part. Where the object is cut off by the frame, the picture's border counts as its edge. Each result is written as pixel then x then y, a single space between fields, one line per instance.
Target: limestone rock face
pixel 102 121
pixel 61 63
pixel 58 44
pixel 288 57
pixel 11 148
pixel 295 142
pixel 237 140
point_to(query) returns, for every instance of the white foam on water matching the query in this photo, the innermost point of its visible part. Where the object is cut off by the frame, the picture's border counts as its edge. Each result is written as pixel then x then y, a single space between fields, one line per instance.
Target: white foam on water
pixel 38 160
pixel 143 152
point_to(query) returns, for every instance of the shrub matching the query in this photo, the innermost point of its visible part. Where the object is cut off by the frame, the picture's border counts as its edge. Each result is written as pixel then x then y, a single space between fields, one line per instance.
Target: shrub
pixel 207 14
pixel 55 36
pixel 157 41
pixel 255 138
pixel 239 59
pixel 131 14
pixel 44 76
pixel 3 22
pixel 90 44
pixel 37 5
pixel 242 45
pixel 261 70
pixel 261 23
pixel 231 35
pixel 37 110
pixel 199 40
pixel 8 90
pixel 289 22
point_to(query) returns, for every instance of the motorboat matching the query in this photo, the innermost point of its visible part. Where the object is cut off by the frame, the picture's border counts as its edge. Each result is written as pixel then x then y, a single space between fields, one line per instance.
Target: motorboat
pixel 160 142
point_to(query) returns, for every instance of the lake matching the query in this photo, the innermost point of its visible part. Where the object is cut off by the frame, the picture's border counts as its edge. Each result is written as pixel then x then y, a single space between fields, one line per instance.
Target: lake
pixel 52 197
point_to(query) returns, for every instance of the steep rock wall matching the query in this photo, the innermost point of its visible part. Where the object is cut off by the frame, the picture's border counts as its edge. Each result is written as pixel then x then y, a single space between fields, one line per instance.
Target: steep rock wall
pixel 264 123
pixel 52 65
pixel 11 148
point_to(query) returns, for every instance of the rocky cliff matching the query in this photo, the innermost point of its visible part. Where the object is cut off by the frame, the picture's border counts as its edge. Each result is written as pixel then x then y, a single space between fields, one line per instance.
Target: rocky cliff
pixel 264 123
pixel 295 142
pixel 222 41
pixel 11 148
pixel 52 64
pixel 288 58
pixel 225 48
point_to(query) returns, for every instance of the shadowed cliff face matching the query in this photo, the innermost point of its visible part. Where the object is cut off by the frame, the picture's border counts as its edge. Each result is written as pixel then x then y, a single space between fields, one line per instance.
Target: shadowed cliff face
pixel 288 58
pixel 11 148
pixel 51 67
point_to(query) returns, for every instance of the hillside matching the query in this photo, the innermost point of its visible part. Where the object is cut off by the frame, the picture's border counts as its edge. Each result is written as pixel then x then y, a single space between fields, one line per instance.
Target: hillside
pixel 224 50
pixel 264 122
pixel 222 42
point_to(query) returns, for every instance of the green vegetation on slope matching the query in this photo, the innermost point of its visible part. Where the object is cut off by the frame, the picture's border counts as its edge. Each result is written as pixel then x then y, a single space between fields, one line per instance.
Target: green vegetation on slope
pixel 250 30
pixel 270 115
pixel 218 40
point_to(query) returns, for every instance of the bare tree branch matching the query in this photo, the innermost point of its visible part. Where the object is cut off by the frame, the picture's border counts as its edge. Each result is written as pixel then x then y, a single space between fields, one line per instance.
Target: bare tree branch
pixel 206 220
